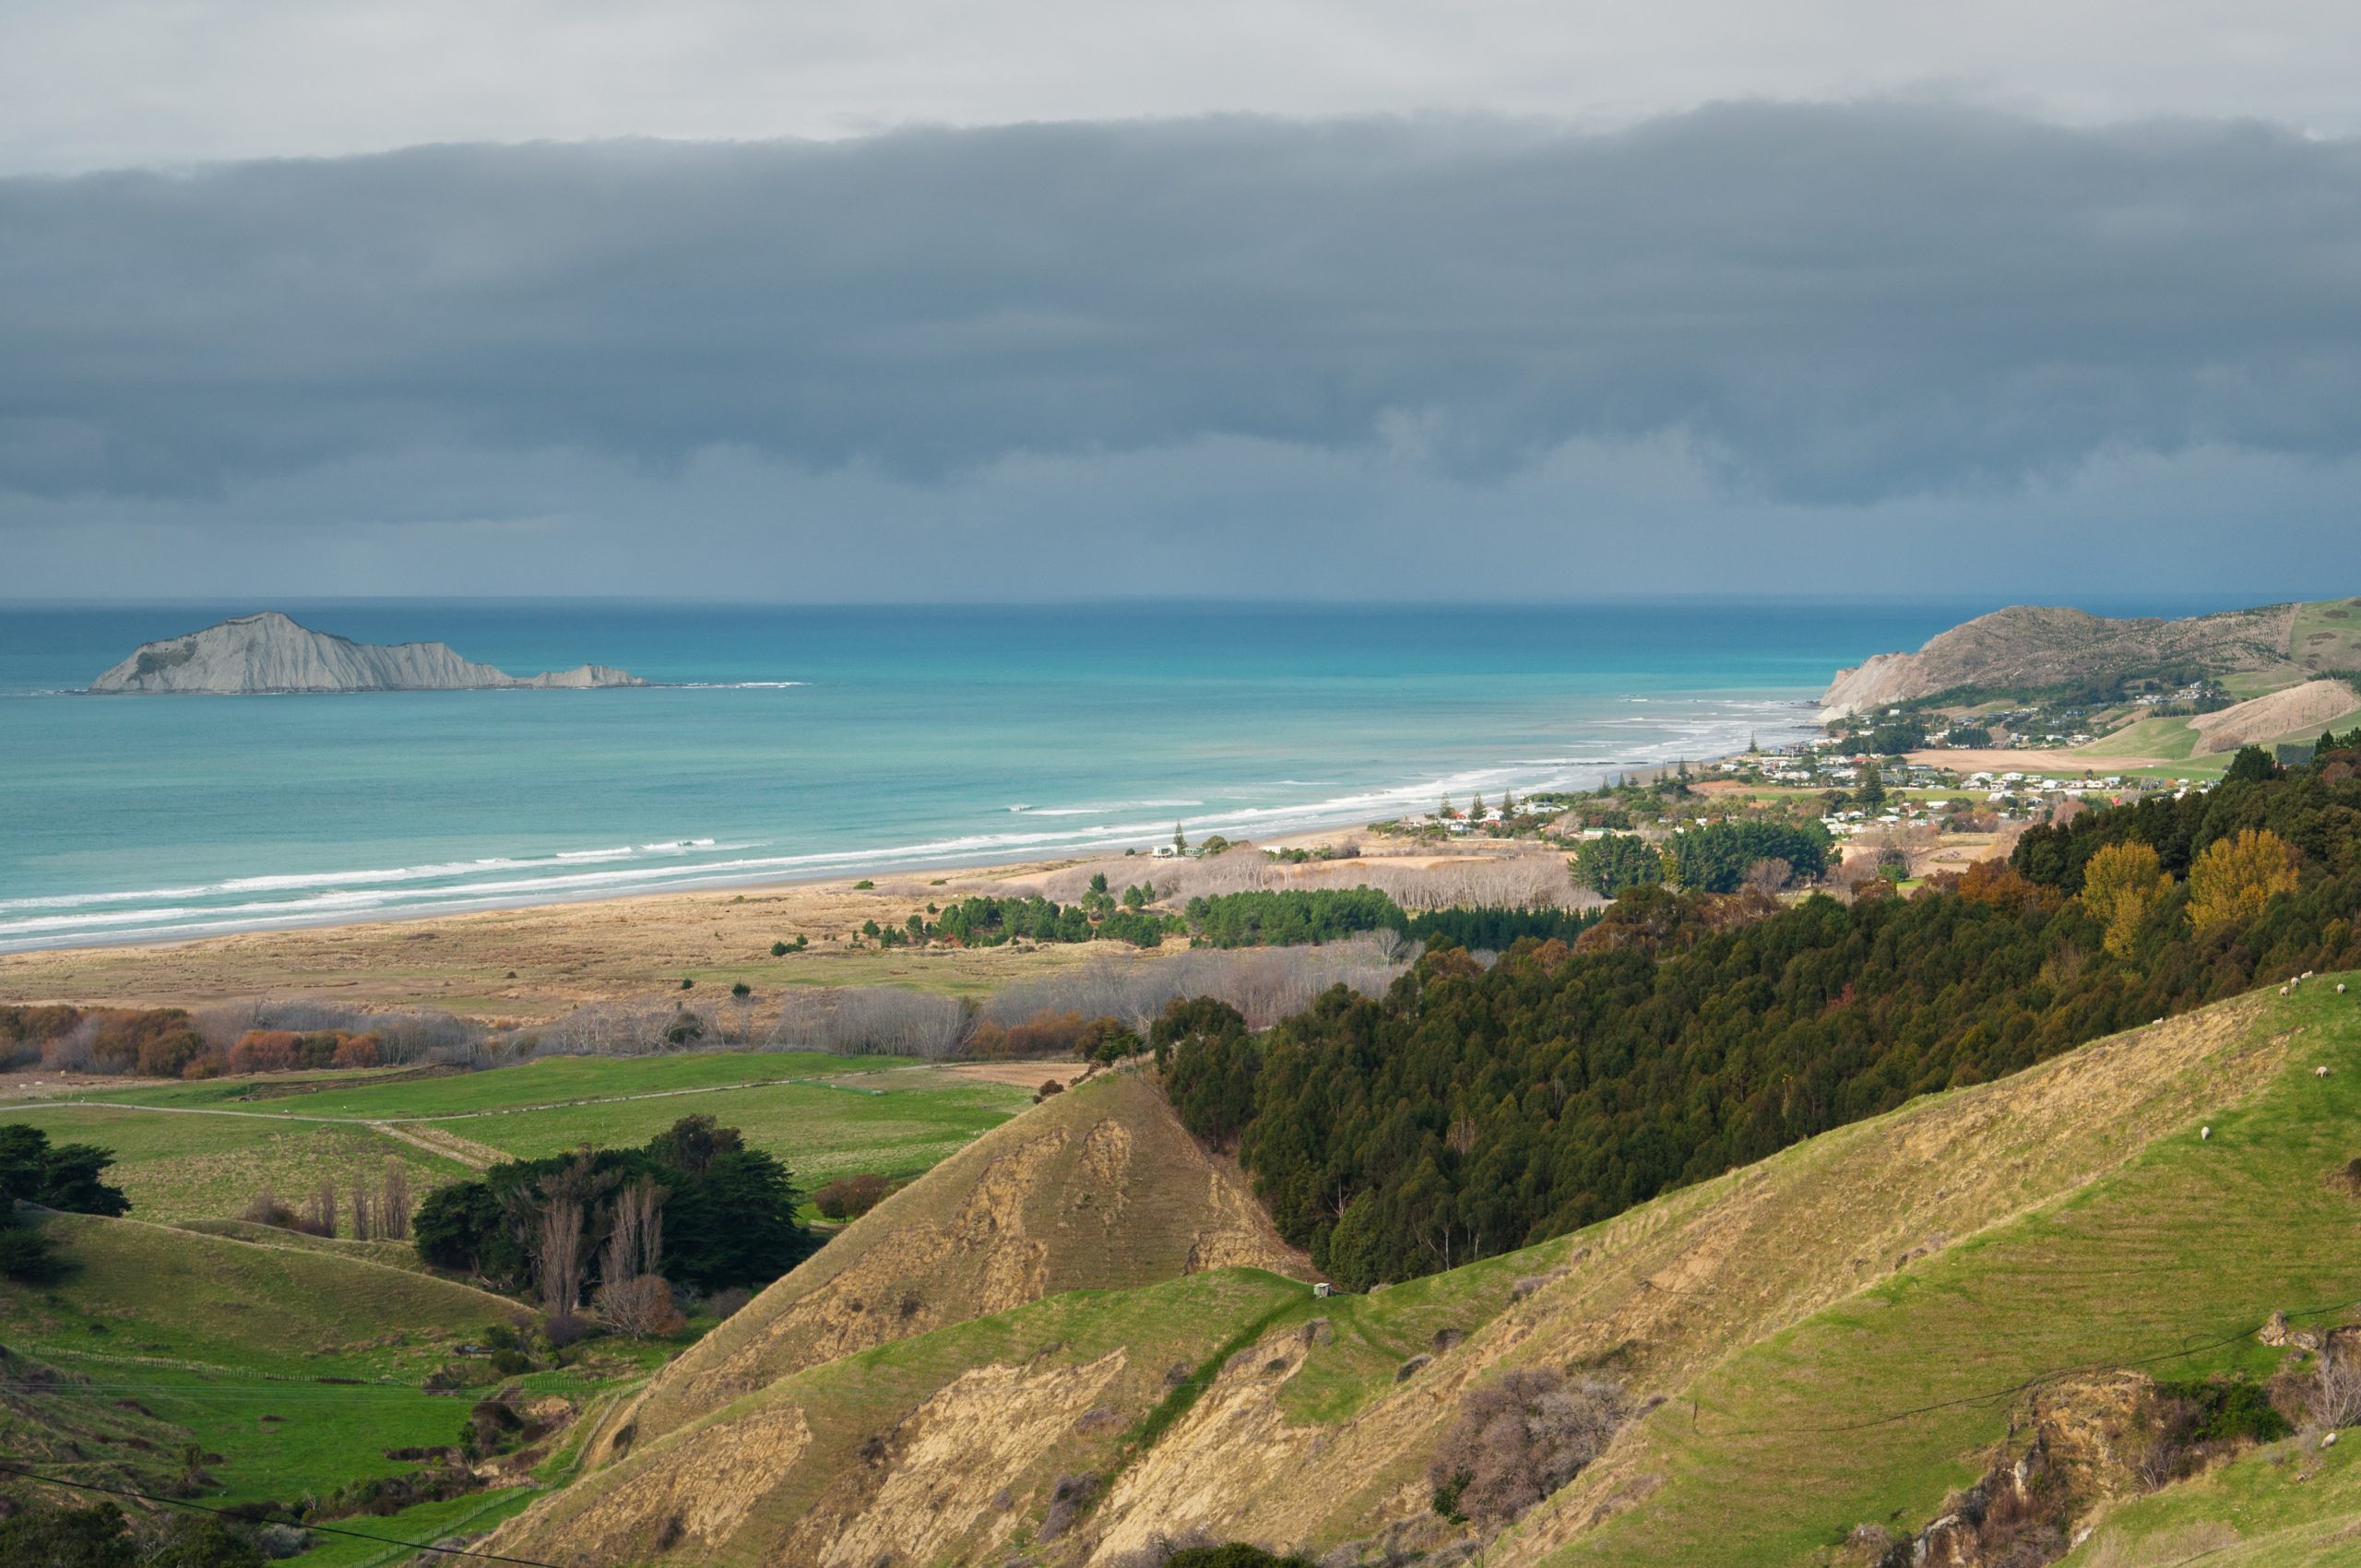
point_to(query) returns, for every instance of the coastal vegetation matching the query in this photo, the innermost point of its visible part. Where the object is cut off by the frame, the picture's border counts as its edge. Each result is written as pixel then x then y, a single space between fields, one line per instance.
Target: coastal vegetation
pixel 1470 1110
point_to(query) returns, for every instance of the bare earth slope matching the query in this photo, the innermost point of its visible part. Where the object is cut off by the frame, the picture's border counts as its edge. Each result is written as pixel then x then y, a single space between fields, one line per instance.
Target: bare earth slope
pixel 2310 707
pixel 2030 648
pixel 1309 1423
pixel 1099 1187
pixel 270 653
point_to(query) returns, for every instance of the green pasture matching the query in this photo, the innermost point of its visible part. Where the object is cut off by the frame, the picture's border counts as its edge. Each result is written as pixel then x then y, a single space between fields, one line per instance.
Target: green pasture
pixel 201 1151
pixel 1867 1411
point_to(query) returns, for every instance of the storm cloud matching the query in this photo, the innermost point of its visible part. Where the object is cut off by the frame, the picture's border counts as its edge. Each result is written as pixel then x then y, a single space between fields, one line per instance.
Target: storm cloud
pixel 1846 306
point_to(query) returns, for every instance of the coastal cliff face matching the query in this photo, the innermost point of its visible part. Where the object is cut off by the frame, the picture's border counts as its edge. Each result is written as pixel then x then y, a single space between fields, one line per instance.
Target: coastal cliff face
pixel 2029 647
pixel 271 653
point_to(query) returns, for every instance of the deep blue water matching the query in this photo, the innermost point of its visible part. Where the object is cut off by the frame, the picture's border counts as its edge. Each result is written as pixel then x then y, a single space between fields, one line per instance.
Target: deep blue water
pixel 798 742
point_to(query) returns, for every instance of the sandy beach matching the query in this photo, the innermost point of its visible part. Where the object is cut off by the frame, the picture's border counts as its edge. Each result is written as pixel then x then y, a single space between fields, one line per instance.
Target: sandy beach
pixel 531 964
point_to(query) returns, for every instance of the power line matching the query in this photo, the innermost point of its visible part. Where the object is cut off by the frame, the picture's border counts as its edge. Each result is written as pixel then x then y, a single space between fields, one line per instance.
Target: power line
pixel 6 1469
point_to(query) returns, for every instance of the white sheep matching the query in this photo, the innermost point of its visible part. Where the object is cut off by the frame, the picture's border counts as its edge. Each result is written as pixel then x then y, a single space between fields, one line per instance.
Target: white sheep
pixel 2203 1134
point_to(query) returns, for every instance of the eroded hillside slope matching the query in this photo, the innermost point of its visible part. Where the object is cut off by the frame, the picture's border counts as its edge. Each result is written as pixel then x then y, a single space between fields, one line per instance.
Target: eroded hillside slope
pixel 1953 1244
pixel 1865 1412
pixel 1099 1187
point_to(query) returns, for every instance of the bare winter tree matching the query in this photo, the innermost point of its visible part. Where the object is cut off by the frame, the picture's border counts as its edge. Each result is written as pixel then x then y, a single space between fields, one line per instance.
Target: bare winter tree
pixel 361 1229
pixel 632 1296
pixel 2335 1400
pixel 552 1220
pixel 558 1258
pixel 886 1020
pixel 394 1200
pixel 641 1307
pixel 1520 1437
pixel 319 1214
pixel 636 1232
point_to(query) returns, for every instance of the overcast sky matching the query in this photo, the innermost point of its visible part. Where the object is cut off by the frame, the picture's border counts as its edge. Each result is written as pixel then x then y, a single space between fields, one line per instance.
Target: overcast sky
pixel 936 300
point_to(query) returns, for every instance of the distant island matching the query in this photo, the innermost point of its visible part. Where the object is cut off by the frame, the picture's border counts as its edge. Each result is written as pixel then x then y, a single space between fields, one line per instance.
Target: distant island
pixel 269 652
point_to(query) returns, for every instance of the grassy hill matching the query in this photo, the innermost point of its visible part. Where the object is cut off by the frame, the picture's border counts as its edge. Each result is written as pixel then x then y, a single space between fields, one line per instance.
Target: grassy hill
pixel 1837 1335
pixel 2325 637
pixel 202 1150
pixel 1099 1187
pixel 2026 649
pixel 294 1369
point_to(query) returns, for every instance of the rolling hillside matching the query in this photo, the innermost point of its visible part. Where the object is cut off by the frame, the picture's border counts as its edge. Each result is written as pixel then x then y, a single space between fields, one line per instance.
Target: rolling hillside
pixel 291 1371
pixel 1099 1187
pixel 1838 1336
pixel 2030 648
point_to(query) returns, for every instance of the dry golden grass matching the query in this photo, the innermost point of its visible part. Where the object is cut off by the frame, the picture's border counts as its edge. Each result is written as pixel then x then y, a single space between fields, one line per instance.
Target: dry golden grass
pixel 532 964
pixel 1099 1187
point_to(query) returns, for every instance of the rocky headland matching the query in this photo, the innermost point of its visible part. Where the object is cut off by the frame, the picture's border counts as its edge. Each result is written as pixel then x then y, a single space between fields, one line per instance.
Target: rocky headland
pixel 2026 648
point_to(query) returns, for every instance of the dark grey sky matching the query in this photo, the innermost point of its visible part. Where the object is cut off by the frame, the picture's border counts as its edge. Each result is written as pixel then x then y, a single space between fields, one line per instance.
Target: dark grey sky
pixel 1851 347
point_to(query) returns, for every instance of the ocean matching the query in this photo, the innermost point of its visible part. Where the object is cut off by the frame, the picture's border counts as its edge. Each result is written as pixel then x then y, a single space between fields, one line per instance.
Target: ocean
pixel 790 742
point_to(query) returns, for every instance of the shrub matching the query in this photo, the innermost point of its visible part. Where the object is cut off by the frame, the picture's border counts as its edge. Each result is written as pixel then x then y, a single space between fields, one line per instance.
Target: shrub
pixel 123 1040
pixel 1234 1554
pixel 724 1304
pixel 849 1197
pixel 489 1425
pixel 1519 1438
pixel 1046 1034
pixel 168 1055
pixel 2333 1400
pixel 264 1050
pixel 29 1257
pixel 1068 1499
pixel 358 1050
pixel 640 1307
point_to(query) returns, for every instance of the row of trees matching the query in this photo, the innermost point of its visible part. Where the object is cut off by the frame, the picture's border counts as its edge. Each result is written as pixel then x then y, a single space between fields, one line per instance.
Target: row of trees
pixel 369 1210
pixel 983 920
pixel 1468 1110
pixel 1285 919
pixel 1272 917
pixel 693 1208
pixel 165 1042
pixel 1720 856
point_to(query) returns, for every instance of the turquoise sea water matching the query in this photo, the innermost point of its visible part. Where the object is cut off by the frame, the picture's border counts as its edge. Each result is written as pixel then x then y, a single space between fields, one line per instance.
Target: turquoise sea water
pixel 797 741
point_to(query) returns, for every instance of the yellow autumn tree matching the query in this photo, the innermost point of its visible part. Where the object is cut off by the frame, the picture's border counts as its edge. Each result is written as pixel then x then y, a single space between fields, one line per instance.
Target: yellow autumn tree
pixel 2123 883
pixel 2236 877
